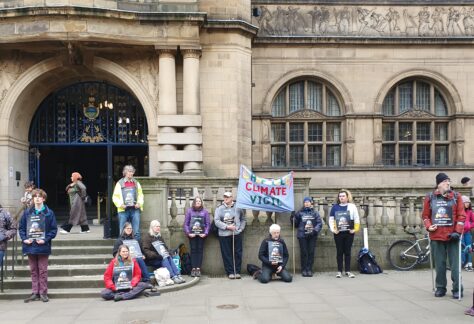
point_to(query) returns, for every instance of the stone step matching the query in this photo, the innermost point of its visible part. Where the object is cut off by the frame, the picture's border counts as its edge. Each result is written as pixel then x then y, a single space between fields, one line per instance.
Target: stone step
pixel 75 239
pixel 10 294
pixel 71 259
pixel 77 250
pixel 67 282
pixel 61 270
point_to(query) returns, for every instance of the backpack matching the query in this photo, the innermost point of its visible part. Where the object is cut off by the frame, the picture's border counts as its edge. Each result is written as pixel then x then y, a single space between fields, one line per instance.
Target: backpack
pixel 253 270
pixel 214 229
pixel 185 259
pixel 367 263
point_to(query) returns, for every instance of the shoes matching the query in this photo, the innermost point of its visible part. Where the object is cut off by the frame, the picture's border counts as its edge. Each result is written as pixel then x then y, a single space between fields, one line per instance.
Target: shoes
pixel 63 231
pixel 350 275
pixel 456 295
pixel 33 297
pixel 84 232
pixel 440 292
pixel 256 274
pixel 469 311
pixel 118 297
pixel 304 273
pixel 44 298
pixel 193 273
pixel 468 268
pixel 339 275
pixel 237 276
pixel 309 273
pixel 197 273
pixel 178 280
pixel 231 276
pixel 181 279
pixel 153 281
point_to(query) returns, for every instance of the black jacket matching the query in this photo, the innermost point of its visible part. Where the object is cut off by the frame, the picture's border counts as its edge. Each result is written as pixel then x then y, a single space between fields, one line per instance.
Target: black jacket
pixel 263 253
pixel 300 220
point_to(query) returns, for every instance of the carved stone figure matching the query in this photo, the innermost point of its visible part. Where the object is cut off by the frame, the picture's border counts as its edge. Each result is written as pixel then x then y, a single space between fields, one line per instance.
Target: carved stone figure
pixel 392 18
pixel 453 21
pixel 295 20
pixel 325 16
pixel 10 70
pixel 410 23
pixel 264 21
pixel 281 19
pixel 378 23
pixel 468 21
pixel 438 26
pixel 316 15
pixel 74 54
pixel 363 17
pixel 343 19
pixel 423 22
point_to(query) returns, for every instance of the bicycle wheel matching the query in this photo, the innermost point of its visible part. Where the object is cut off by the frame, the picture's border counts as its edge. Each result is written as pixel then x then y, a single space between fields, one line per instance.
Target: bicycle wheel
pixel 402 255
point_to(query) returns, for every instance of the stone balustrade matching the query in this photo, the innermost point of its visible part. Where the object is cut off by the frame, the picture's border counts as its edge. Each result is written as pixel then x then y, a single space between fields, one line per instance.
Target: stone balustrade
pixel 386 212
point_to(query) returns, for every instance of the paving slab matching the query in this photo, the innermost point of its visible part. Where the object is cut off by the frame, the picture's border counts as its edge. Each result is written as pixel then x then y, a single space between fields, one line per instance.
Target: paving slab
pixel 394 297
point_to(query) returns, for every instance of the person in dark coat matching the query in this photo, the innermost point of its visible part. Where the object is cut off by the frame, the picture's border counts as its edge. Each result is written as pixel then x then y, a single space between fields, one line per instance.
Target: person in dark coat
pixel 37 230
pixel 308 223
pixel 7 231
pixel 274 256
pixel 77 216
pixel 127 235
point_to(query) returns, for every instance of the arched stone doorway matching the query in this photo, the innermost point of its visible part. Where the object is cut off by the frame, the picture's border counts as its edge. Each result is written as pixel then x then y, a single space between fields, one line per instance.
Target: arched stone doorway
pixel 93 128
pixel 20 102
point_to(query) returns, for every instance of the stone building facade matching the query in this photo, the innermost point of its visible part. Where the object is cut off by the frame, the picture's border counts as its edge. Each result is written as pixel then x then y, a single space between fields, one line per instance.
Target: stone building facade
pixel 372 94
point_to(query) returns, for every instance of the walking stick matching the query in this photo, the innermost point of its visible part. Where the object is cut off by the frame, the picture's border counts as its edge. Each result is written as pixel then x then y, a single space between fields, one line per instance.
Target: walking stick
pixel 431 266
pixel 233 251
pixel 293 239
pixel 459 271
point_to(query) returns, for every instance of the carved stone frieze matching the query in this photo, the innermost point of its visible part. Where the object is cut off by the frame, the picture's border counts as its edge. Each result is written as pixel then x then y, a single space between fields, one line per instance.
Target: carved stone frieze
pixel 306 114
pixel 362 21
pixel 416 113
pixel 10 69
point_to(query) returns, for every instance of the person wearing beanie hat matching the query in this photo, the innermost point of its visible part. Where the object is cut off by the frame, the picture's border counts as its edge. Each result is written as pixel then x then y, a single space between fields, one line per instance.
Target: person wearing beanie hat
pixel 466 257
pixel 308 223
pixel 444 216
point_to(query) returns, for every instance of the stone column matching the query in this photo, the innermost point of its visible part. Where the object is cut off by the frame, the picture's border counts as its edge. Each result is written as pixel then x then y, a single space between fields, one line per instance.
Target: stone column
pixel 191 92
pixel 167 101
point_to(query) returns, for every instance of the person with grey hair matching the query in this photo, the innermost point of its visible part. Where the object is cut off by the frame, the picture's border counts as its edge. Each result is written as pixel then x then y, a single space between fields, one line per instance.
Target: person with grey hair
pixel 128 198
pixel 274 256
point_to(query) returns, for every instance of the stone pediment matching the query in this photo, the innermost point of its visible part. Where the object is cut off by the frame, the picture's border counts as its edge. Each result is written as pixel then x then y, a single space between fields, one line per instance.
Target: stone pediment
pixel 306 114
pixel 397 21
pixel 416 113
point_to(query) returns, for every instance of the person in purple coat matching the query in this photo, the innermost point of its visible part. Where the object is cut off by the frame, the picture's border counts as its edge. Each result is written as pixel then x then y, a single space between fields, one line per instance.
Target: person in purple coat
pixel 196 227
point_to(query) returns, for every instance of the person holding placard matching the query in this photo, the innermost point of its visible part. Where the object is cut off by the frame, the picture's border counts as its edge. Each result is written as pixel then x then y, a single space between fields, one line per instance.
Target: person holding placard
pixel 127 238
pixel 196 226
pixel 308 223
pixel 122 277
pixel 274 256
pixel 128 198
pixel 157 253
pixel 444 216
pixel 344 223
pixel 37 229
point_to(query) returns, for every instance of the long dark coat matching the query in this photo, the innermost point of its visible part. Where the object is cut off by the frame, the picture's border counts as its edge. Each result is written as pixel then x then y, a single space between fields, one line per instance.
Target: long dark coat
pixel 77 192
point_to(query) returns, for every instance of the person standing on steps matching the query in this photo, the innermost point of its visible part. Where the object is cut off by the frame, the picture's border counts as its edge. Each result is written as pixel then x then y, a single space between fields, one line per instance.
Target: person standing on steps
pixel 7 231
pixel 443 216
pixel 37 229
pixel 128 198
pixel 76 191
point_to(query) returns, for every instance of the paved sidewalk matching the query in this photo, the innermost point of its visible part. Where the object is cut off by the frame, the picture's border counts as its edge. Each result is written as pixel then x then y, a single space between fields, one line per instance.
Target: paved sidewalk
pixel 391 297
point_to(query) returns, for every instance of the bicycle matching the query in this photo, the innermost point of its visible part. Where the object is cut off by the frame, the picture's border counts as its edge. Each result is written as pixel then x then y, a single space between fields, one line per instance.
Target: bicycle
pixel 405 254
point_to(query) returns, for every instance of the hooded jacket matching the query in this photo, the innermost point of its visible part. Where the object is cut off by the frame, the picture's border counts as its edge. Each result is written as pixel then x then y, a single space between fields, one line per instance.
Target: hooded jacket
pixel 300 221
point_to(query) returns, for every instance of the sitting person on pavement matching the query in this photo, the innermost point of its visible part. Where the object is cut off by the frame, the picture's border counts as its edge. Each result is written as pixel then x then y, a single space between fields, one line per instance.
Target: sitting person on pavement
pixel 127 237
pixel 122 277
pixel 157 253
pixel 274 256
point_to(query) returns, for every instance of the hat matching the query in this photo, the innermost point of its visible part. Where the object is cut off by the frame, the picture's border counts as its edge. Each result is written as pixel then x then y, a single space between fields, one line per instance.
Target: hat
pixel 440 177
pixel 308 199
pixel 465 199
pixel 227 194
pixel 465 180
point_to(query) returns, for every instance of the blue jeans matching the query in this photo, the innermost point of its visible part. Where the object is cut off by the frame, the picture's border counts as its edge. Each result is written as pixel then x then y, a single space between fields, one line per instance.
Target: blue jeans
pixel 2 254
pixel 131 215
pixel 169 264
pixel 144 269
pixel 467 241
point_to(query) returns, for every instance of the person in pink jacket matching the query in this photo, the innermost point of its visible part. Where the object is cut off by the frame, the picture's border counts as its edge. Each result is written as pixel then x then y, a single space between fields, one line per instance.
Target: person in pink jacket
pixel 467 237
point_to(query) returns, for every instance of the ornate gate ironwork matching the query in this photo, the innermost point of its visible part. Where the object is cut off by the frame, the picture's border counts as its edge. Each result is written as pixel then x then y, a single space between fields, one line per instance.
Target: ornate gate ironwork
pixel 89 113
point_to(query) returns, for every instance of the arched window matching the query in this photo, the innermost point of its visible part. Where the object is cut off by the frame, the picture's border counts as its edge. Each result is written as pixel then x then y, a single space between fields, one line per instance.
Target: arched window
pixel 306 128
pixel 415 128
